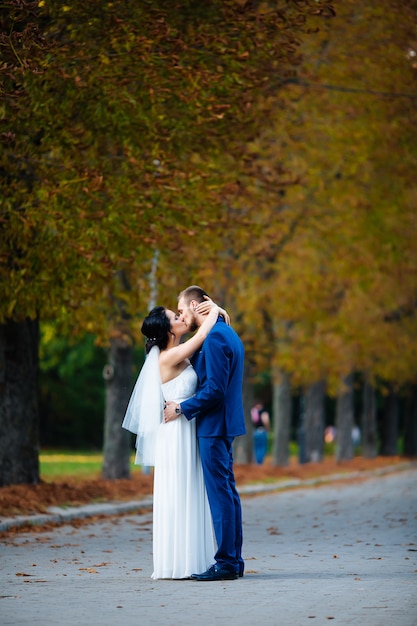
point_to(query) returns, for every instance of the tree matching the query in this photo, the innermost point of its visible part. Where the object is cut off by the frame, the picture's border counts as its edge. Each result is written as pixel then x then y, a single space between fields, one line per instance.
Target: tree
pixel 315 421
pixel 114 117
pixel 344 265
pixel 333 265
pixel 369 425
pixel 344 420
pixel 410 426
pixel 18 408
pixel 390 424
pixel 116 440
pixel 243 446
pixel 282 414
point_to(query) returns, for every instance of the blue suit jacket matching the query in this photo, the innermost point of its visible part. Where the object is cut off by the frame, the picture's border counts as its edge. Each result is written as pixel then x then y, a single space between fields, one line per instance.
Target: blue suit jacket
pixel 217 404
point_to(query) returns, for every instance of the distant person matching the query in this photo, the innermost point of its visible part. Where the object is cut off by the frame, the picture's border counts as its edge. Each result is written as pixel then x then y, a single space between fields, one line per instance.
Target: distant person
pixel 330 434
pixel 356 436
pixel 217 407
pixel 183 539
pixel 260 422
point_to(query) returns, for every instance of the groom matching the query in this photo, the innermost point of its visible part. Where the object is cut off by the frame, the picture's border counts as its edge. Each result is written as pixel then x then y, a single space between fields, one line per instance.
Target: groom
pixel 217 407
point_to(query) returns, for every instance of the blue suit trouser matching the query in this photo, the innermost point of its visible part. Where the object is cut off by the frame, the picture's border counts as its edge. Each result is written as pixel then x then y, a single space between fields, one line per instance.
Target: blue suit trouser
pixel 217 461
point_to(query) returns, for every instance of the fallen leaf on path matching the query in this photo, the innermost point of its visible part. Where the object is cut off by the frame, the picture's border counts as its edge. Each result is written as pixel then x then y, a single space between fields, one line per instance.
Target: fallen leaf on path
pixel 90 570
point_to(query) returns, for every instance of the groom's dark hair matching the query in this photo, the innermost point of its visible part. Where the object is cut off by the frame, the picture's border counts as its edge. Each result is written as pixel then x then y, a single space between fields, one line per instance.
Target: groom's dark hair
pixel 194 292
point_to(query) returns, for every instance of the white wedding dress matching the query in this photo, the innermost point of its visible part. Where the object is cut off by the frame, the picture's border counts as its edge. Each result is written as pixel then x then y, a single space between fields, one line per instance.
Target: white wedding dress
pixel 183 540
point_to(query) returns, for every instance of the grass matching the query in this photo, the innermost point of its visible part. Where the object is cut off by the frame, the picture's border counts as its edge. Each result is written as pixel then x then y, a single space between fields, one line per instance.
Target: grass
pixel 59 464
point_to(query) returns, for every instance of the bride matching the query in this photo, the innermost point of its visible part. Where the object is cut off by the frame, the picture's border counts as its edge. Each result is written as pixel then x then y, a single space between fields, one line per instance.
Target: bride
pixel 183 540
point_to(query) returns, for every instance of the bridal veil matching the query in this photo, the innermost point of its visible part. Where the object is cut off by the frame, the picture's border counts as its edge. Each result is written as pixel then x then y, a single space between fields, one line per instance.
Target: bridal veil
pixel 145 409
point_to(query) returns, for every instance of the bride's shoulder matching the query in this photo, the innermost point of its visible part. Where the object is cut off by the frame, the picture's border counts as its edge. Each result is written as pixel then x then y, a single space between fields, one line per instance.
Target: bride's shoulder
pixel 177 373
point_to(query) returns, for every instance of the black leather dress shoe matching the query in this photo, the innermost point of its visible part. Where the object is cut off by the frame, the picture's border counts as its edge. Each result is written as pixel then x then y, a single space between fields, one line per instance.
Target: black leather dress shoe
pixel 215 572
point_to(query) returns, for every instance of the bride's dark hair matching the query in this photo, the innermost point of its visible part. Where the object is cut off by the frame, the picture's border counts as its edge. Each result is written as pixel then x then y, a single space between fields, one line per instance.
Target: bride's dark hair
pixel 156 327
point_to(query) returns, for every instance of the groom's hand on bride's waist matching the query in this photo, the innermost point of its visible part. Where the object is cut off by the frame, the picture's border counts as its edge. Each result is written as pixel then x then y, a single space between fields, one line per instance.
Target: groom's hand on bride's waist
pixel 172 411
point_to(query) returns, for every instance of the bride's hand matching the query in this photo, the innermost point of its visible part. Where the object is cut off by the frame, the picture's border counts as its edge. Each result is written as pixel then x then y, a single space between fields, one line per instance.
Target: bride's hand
pixel 205 307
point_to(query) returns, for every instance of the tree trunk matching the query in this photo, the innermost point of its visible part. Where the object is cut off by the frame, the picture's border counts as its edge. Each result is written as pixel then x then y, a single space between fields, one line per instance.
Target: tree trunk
pixel 118 376
pixel 314 421
pixel 243 446
pixel 345 421
pixel 369 426
pixel 19 442
pixel 390 420
pixel 410 423
pixel 301 430
pixel 281 408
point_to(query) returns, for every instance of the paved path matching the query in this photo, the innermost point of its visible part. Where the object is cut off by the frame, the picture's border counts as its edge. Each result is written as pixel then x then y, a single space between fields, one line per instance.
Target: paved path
pixel 338 552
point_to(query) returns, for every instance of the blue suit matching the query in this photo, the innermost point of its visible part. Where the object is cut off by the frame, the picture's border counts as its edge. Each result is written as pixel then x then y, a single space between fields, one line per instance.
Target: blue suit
pixel 218 408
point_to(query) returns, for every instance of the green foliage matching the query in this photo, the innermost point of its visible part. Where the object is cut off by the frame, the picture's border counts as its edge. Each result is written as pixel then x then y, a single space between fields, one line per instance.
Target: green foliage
pixel 71 391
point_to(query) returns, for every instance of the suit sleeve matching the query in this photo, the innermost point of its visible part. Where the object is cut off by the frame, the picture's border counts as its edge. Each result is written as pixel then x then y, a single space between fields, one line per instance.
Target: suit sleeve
pixel 212 388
